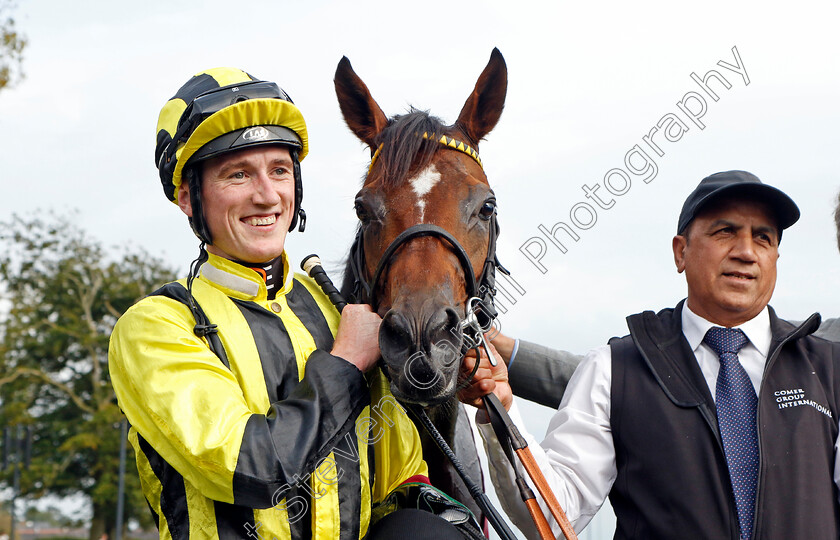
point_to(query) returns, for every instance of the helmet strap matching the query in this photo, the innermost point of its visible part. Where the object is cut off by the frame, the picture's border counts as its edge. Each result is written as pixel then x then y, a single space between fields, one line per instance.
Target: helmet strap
pixel 298 213
pixel 302 218
pixel 192 176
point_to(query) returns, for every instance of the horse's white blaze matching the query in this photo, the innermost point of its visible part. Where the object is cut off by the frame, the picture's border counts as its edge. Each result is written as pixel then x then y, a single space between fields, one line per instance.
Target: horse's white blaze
pixel 423 184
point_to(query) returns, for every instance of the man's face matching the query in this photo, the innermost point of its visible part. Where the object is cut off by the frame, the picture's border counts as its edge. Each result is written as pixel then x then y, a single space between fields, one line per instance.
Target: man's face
pixel 729 257
pixel 248 198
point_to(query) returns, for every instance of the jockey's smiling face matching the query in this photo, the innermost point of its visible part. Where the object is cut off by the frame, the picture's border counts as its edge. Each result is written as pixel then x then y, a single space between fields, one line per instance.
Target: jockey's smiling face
pixel 248 198
pixel 729 255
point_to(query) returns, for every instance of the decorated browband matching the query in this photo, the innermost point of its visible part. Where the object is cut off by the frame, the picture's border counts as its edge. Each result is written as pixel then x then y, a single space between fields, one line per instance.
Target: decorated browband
pixel 448 142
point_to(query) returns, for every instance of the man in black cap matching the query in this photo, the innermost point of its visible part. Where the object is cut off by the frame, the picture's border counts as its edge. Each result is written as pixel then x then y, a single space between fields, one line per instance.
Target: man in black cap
pixel 714 419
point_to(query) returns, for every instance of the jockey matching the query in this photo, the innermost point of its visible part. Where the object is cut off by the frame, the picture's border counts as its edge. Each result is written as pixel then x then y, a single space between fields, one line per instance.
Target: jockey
pixel 256 410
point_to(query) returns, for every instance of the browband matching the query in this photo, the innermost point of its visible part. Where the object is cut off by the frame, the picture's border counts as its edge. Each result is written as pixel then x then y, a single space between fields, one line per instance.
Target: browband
pixel 448 142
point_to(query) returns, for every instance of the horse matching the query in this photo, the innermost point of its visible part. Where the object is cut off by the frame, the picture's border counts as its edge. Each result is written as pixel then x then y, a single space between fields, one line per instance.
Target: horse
pixel 424 252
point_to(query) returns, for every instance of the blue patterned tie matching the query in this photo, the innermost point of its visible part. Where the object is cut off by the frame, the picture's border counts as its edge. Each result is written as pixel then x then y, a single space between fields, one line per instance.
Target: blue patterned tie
pixel 736 405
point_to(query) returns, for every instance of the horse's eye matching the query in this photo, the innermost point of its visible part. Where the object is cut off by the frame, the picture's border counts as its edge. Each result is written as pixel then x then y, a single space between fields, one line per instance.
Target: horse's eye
pixel 362 213
pixel 488 209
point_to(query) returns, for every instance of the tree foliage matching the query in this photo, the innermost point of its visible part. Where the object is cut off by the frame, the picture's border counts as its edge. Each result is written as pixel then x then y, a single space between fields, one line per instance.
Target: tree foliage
pixel 62 294
pixel 12 44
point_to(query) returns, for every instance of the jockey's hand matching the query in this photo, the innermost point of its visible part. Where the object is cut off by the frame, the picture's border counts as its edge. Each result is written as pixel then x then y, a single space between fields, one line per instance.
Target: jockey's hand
pixel 357 340
pixel 486 379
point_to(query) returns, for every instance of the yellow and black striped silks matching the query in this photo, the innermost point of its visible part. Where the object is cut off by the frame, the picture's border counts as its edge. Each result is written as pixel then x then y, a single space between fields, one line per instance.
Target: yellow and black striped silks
pixel 287 441
pixel 251 112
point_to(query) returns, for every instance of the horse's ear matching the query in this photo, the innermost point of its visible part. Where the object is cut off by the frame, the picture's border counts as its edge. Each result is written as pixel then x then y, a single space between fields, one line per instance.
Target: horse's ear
pixel 484 107
pixel 363 115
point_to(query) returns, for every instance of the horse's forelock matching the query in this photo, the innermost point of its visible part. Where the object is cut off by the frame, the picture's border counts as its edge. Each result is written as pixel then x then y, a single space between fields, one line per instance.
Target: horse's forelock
pixel 404 147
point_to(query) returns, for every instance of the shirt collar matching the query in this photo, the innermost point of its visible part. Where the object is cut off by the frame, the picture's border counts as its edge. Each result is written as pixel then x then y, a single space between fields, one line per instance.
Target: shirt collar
pixel 240 281
pixel 756 329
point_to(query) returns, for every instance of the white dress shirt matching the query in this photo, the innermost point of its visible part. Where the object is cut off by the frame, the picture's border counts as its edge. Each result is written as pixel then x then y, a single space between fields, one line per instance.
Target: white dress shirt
pixel 577 455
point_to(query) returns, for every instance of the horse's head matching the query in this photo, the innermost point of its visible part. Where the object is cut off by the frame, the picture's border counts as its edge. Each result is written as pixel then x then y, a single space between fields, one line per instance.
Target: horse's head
pixel 427 226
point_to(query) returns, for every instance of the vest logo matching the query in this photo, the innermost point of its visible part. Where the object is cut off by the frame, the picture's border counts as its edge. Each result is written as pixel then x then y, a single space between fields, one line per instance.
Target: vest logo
pixel 256 133
pixel 795 397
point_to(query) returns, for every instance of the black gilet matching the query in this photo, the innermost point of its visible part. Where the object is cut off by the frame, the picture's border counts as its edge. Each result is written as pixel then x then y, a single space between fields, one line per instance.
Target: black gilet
pixel 672 479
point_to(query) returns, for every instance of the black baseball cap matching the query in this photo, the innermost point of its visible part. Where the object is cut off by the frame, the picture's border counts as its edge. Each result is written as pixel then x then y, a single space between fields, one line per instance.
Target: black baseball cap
pixel 737 183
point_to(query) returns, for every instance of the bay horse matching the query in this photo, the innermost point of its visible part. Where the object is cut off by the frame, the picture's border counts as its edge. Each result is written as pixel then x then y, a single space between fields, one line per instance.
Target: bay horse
pixel 424 254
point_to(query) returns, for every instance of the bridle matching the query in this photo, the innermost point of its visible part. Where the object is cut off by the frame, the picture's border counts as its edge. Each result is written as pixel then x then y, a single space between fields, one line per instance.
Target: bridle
pixel 480 309
pixel 480 312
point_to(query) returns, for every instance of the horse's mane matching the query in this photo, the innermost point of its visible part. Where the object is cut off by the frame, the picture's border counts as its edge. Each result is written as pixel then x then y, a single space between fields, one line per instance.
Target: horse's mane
pixel 404 149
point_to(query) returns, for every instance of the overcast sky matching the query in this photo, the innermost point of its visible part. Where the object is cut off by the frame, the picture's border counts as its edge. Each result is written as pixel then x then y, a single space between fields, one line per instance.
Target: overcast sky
pixel 587 83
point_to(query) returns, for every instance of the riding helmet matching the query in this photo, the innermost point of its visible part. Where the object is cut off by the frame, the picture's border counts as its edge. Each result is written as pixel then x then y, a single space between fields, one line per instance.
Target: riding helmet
pixel 223 110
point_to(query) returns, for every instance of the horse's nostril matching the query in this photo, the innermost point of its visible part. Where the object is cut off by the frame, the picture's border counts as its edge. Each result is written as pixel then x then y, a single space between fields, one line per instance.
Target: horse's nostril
pixel 395 327
pixel 444 325
pixel 396 338
pixel 442 335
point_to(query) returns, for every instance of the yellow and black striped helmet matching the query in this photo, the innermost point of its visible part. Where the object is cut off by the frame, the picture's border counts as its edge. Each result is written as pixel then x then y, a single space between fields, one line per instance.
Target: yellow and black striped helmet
pixel 222 110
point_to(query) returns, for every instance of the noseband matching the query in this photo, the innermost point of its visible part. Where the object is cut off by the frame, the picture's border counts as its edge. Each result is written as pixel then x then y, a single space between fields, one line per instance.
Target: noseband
pixel 480 306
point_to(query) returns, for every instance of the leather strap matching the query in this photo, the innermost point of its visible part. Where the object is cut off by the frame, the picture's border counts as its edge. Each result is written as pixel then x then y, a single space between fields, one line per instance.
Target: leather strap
pixel 415 231
pixel 543 528
pixel 510 438
pixel 203 327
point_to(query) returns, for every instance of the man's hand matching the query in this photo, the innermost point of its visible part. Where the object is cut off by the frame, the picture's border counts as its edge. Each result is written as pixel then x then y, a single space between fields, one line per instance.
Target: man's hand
pixel 357 340
pixel 486 379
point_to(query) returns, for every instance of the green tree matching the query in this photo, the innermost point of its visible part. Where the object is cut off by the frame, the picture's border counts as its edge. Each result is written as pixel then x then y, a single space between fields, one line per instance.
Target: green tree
pixel 61 295
pixel 51 516
pixel 11 46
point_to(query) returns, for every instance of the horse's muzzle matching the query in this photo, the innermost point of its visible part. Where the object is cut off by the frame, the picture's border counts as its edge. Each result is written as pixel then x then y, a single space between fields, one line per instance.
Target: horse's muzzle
pixel 422 354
